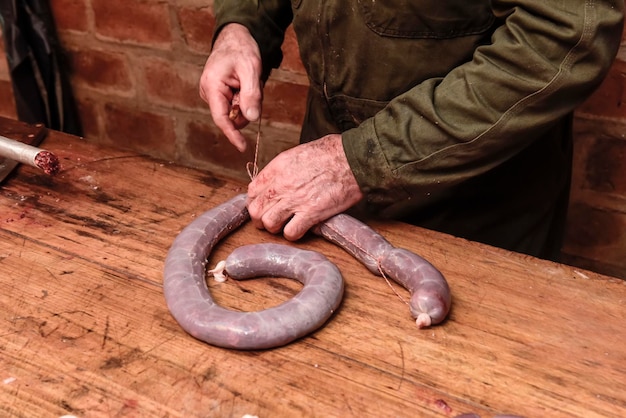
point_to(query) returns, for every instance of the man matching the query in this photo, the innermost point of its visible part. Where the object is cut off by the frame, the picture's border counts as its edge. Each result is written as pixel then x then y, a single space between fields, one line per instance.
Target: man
pixel 453 115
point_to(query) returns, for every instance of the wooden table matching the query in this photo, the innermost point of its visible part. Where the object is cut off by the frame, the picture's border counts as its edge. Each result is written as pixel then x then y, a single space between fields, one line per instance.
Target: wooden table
pixel 84 329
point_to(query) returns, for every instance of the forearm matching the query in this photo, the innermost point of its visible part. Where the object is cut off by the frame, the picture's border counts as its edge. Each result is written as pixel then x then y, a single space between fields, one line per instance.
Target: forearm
pixel 544 60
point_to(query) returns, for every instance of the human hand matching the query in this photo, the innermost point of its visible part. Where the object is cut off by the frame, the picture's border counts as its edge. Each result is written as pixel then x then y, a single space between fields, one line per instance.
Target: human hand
pixel 233 65
pixel 302 187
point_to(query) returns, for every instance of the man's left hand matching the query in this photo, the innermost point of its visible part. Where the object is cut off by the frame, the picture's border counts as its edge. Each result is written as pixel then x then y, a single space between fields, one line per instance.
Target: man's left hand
pixel 302 187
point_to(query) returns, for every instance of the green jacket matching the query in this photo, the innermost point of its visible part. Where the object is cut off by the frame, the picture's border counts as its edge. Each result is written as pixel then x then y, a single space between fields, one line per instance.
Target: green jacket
pixel 455 115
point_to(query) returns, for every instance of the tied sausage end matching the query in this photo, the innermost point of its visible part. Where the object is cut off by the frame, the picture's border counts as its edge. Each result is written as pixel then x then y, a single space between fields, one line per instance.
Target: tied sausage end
pixel 423 320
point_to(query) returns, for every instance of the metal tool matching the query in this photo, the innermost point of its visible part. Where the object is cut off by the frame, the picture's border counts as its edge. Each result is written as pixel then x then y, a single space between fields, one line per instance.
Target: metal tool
pixel 21 147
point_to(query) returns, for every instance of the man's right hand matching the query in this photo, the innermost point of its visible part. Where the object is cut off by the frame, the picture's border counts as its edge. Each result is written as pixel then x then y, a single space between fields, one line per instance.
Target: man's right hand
pixel 233 65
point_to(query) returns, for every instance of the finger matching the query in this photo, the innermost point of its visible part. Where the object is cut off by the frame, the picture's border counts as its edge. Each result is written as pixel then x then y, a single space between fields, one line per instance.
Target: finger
pixel 255 214
pixel 206 84
pixel 297 227
pixel 232 133
pixel 275 217
pixel 236 138
pixel 256 209
pixel 251 97
pixel 220 105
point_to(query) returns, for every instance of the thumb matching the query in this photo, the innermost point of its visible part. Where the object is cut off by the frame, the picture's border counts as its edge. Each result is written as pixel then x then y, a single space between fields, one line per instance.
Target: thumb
pixel 250 98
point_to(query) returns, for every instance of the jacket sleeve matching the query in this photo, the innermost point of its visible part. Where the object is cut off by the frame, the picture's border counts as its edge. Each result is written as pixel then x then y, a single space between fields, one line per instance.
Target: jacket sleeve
pixel 544 60
pixel 266 20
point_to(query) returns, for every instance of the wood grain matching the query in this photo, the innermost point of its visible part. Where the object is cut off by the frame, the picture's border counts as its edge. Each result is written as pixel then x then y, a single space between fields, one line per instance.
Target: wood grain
pixel 84 329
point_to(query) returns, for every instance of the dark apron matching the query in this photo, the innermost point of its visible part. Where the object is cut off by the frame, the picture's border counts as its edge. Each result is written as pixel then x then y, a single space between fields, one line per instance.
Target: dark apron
pixel 42 91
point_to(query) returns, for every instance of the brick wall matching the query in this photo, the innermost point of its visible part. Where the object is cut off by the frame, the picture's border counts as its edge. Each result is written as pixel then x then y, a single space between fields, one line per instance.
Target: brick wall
pixel 596 234
pixel 135 64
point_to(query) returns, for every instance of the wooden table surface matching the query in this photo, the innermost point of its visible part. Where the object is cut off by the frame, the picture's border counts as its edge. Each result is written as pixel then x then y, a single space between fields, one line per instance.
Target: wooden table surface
pixel 84 329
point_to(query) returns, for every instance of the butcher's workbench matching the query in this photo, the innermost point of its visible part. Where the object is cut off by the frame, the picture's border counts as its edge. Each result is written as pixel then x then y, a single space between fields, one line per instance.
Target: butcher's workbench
pixel 85 332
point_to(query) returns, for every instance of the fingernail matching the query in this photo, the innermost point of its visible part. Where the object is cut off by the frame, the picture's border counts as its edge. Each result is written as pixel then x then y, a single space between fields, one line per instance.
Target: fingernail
pixel 252 114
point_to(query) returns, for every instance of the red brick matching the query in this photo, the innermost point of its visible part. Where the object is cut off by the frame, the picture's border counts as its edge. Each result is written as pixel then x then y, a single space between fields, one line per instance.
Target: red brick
pixel 197 25
pixel 89 118
pixel 70 15
pixel 135 21
pixel 284 102
pixel 605 170
pixel 7 101
pixel 101 69
pixel 291 53
pixel 142 131
pixel 595 239
pixel 206 143
pixel 610 98
pixel 592 227
pixel 173 84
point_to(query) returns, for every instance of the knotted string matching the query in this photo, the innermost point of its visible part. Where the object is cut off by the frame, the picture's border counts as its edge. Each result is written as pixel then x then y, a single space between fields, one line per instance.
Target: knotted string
pixel 252 167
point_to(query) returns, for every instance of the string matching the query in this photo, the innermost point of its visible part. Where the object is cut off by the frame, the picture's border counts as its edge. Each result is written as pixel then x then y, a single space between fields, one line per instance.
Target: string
pixel 252 167
pixel 382 273
pixel 378 264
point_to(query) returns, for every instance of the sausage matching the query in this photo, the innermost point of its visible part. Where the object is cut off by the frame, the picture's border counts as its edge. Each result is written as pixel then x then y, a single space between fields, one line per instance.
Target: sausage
pixel 273 327
pixel 190 302
pixel 430 295
pixel 319 298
